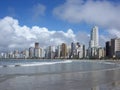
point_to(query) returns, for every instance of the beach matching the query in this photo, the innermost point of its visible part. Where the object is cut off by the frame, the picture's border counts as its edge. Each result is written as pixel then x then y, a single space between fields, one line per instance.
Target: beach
pixel 60 75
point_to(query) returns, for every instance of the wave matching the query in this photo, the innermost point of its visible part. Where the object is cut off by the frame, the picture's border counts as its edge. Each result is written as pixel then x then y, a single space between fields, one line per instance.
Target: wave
pixel 37 63
pixel 46 63
pixel 54 62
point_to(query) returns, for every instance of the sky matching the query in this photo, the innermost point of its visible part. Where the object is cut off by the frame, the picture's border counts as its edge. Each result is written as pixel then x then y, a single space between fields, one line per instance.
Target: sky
pixel 52 22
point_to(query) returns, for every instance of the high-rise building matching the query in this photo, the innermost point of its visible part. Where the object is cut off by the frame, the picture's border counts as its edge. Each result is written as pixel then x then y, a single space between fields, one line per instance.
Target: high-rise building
pixel 26 53
pixel 36 45
pixel 94 42
pixel 84 52
pixel 80 51
pixel 101 53
pixel 73 47
pixel 77 50
pixel 31 52
pixel 16 54
pixel 94 38
pixel 58 50
pixel 115 47
pixel 38 52
pixel 68 51
pixel 11 54
pixel 50 52
pixel 108 49
pixel 63 50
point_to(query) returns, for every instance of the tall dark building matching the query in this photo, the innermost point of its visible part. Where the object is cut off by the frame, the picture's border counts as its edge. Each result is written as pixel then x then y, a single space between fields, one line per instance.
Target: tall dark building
pixel 36 45
pixel 72 48
pixel 108 49
pixel 84 51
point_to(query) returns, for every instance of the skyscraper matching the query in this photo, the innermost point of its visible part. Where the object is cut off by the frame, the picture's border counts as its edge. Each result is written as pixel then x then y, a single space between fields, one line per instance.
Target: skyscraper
pixel 58 50
pixel 115 47
pixel 63 50
pixel 73 47
pixel 36 45
pixel 108 49
pixel 31 52
pixel 84 52
pixel 94 38
pixel 37 51
pixel 94 42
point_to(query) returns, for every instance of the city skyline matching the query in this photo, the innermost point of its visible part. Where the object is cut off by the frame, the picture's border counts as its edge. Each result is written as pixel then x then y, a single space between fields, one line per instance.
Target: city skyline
pixel 64 51
pixel 62 21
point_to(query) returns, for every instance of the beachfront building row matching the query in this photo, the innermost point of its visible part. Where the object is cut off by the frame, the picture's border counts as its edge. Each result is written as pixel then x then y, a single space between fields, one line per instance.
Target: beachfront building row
pixel 74 51
pixel 64 51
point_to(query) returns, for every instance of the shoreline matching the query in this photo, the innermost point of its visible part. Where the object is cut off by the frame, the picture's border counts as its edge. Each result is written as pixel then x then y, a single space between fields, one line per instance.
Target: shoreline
pixel 59 59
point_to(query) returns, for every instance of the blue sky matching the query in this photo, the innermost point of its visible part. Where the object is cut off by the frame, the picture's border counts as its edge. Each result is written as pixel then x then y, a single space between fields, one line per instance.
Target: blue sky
pixel 22 10
pixel 61 15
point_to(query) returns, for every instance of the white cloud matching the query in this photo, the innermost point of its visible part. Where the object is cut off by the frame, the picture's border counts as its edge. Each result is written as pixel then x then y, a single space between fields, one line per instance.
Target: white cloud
pixel 101 12
pixel 38 10
pixel 12 35
pixel 114 33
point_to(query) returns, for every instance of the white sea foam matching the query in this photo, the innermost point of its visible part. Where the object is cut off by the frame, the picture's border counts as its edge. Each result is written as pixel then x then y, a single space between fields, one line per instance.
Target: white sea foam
pixel 46 63
pixel 37 63
pixel 54 62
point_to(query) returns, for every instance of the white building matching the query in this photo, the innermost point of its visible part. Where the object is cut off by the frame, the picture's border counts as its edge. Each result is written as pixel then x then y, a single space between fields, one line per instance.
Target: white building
pixel 11 54
pixel 94 38
pixel 80 51
pixel 3 55
pixel 115 47
pixel 58 51
pixel 31 52
pixel 68 52
pixel 101 53
pixel 26 53
pixel 50 52
pixel 38 52
pixel 77 50
pixel 94 42
pixel 16 54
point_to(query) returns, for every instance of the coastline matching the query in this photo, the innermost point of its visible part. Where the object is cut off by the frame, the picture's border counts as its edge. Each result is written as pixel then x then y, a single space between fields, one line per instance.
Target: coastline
pixel 54 76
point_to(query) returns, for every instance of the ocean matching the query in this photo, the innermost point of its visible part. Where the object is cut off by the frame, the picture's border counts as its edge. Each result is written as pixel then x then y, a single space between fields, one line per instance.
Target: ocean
pixel 59 75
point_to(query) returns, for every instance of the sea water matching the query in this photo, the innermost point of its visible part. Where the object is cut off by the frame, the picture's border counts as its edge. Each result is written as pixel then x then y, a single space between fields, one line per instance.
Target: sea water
pixel 58 75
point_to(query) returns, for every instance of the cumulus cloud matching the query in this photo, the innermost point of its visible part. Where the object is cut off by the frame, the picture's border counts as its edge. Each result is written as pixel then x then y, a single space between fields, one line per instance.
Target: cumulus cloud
pixel 14 36
pixel 101 12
